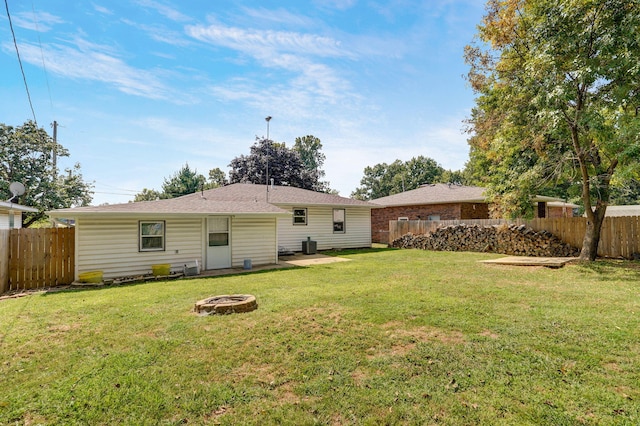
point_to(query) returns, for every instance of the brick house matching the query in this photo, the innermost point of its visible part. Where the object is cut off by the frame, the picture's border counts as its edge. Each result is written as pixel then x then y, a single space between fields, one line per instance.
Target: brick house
pixel 443 201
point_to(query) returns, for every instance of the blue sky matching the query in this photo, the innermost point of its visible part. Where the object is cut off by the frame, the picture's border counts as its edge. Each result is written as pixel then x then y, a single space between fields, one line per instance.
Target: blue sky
pixel 141 87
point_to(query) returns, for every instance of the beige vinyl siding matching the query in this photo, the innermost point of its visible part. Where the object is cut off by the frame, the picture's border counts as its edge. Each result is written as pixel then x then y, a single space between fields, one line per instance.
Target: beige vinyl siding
pixel 320 228
pixel 5 220
pixel 253 238
pixel 111 245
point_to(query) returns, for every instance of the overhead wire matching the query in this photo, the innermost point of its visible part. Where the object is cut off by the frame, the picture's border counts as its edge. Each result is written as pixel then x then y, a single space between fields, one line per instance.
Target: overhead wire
pixel 24 77
pixel 44 66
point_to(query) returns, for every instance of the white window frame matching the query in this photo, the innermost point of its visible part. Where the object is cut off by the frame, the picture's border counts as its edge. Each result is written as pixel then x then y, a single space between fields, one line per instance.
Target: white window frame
pixel 403 219
pixel 161 235
pixel 298 216
pixel 336 223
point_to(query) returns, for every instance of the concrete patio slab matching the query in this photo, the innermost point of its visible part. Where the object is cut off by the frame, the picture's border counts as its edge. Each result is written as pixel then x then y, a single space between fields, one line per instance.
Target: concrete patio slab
pixel 311 259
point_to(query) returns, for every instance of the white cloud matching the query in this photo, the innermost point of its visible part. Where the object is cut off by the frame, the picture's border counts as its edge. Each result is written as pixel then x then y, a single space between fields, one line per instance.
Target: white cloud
pixel 160 33
pixel 263 43
pixel 36 21
pixel 164 10
pixel 282 17
pixel 336 4
pixel 102 9
pixel 88 61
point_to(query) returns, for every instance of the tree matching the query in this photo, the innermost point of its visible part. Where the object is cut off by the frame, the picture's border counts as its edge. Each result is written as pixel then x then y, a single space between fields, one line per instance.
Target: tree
pixel 26 156
pixel 217 178
pixel 147 195
pixel 285 166
pixel 385 179
pixel 184 181
pixel 309 148
pixel 558 87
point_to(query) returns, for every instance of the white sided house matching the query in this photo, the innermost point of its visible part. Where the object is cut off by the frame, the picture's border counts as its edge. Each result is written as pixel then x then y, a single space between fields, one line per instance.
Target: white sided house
pixel 219 228
pixel 11 214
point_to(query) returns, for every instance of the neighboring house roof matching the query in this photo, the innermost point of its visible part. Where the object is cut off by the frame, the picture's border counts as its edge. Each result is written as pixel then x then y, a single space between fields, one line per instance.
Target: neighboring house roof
pixel 438 193
pixel 631 210
pixel 6 206
pixel 237 198
pixel 562 204
pixel 443 193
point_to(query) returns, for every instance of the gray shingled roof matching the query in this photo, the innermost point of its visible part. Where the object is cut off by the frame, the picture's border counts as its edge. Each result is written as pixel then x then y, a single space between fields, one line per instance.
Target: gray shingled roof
pixel 278 195
pixel 237 198
pixel 438 193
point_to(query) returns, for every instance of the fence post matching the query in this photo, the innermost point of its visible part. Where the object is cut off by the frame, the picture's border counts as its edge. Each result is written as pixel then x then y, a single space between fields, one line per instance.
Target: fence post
pixel 4 260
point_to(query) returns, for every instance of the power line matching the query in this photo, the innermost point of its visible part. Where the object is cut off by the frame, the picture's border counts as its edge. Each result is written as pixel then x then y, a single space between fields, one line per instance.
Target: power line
pixel 24 77
pixel 44 66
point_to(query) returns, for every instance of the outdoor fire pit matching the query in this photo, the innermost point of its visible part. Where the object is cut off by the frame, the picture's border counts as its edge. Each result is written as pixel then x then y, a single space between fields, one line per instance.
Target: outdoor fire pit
pixel 226 304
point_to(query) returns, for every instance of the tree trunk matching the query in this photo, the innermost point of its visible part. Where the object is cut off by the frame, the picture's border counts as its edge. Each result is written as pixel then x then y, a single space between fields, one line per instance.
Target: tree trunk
pixel 592 234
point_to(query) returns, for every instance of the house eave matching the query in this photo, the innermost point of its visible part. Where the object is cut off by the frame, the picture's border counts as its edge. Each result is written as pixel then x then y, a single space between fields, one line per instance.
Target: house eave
pixel 4 205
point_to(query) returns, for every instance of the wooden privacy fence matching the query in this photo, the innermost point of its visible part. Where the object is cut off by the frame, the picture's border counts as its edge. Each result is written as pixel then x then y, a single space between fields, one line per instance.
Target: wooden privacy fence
pixel 620 236
pixel 36 258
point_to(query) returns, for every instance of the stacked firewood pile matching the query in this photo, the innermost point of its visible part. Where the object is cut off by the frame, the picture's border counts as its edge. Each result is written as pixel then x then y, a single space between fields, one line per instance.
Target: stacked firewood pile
pixel 515 240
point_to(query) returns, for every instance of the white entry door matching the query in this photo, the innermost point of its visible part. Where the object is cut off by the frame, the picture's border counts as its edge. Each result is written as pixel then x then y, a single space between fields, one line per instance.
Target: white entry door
pixel 218 243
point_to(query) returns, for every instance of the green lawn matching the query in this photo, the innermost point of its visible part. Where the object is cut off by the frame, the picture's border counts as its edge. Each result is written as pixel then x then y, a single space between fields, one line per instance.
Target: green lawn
pixel 391 337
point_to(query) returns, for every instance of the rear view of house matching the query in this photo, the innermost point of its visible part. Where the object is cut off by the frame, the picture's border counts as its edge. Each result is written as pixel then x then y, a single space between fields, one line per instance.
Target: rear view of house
pixel 218 228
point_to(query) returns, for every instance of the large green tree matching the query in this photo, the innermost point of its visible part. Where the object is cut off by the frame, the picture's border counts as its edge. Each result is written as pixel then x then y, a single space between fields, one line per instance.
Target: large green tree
pixel 558 84
pixel 282 164
pixel 184 181
pixel 310 150
pixel 217 178
pixel 27 155
pixel 385 179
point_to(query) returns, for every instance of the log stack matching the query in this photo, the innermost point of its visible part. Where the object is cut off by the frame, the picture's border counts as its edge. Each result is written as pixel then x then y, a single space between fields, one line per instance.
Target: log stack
pixel 514 240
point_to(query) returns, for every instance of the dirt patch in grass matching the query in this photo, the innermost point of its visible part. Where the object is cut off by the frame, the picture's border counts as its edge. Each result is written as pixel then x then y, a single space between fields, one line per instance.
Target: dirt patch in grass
pixel 489 333
pixel 63 328
pixel 402 340
pixel 397 330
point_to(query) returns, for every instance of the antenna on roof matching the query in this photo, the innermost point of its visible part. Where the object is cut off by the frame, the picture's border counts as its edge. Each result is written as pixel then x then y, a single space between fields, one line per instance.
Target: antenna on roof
pixel 17 189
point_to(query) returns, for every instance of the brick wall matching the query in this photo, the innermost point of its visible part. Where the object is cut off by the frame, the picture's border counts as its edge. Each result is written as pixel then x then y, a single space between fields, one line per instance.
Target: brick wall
pixel 380 217
pixel 474 211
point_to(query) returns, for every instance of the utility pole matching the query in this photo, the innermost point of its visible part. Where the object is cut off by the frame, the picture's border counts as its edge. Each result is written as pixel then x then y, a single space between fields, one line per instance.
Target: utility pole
pixel 268 119
pixel 55 148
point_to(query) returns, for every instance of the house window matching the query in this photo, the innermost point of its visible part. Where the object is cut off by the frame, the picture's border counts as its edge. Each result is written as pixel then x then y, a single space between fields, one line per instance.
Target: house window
pixel 338 221
pixel 434 217
pixel 299 216
pixel 403 219
pixel 152 235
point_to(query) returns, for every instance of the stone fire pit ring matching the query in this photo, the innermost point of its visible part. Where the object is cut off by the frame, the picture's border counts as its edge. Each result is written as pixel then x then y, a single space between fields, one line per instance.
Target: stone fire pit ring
pixel 226 304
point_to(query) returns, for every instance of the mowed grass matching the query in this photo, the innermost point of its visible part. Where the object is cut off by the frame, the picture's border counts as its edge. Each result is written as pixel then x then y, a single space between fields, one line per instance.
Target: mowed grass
pixel 391 337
